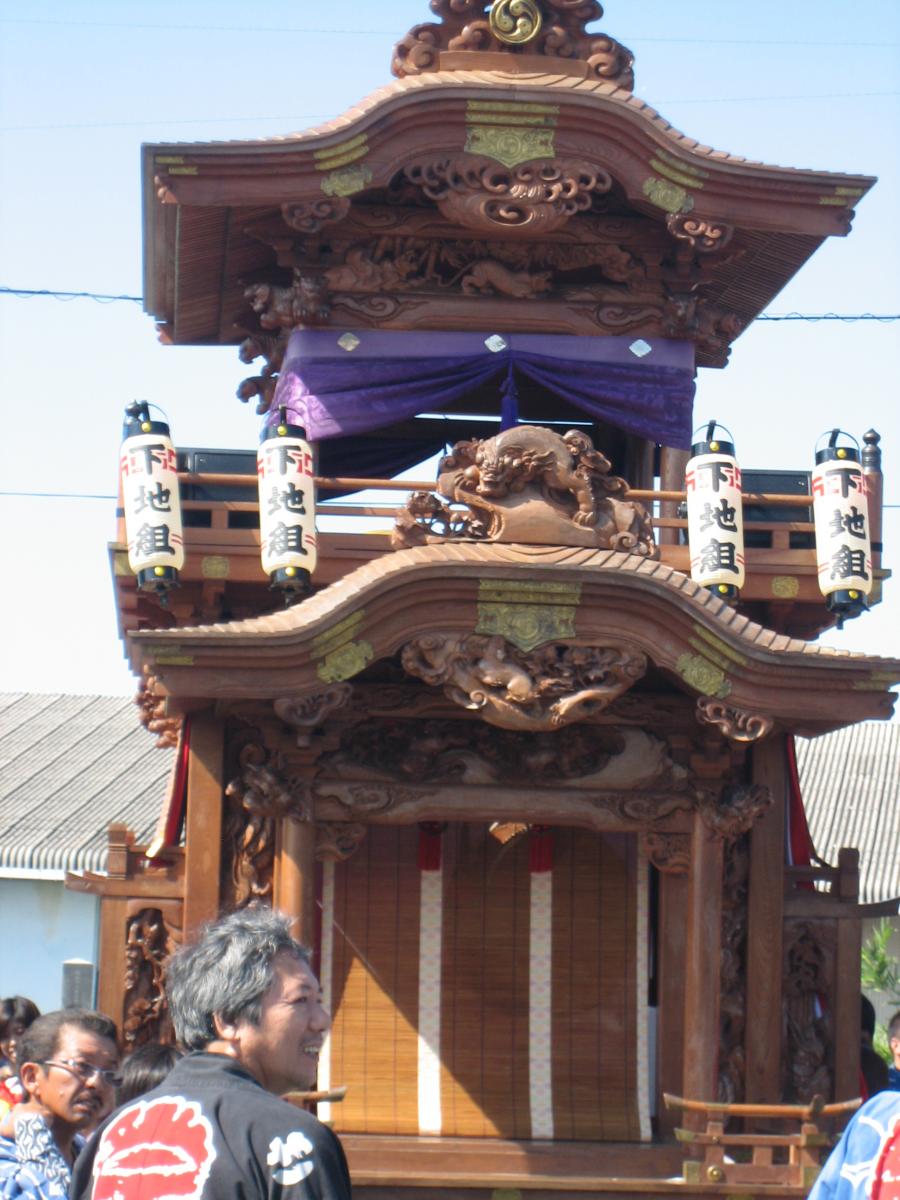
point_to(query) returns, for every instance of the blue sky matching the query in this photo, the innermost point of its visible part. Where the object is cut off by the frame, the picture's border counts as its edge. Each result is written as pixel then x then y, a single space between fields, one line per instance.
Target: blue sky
pixel 807 84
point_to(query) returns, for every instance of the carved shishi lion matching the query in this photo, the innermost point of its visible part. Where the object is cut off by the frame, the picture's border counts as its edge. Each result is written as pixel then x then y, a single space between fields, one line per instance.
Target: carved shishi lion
pixel 528 484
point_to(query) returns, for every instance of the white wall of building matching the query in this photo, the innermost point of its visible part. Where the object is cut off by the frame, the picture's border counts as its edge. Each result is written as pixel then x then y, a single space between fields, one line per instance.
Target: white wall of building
pixel 43 925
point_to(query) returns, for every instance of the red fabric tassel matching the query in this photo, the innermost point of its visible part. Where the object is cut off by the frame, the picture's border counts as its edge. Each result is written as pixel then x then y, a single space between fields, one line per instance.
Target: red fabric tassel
pixel 540 849
pixel 429 856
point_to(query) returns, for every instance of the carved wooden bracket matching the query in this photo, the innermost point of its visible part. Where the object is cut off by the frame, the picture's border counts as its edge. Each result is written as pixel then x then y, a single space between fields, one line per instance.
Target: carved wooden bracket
pixel 482 194
pixel 152 932
pixel 337 840
pixel 528 485
pixel 544 689
pixel 308 712
pixel 309 216
pixel 735 724
pixel 555 29
pixel 670 853
pixel 152 713
pixel 730 811
pixel 261 387
pixel 706 237
pixel 265 788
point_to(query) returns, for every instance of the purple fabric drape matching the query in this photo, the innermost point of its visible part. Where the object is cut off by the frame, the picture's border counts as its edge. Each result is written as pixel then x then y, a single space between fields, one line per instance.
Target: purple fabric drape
pixel 390 377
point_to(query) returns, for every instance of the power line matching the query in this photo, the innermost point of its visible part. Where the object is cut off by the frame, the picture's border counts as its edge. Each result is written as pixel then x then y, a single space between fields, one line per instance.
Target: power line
pixel 355 32
pixel 103 298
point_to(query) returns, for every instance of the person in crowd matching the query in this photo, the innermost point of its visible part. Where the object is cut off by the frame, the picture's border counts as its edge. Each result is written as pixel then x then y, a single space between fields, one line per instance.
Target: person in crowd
pixel 246 1007
pixel 865 1164
pixel 144 1069
pixel 16 1014
pixel 872 1067
pixel 67 1064
pixel 893 1032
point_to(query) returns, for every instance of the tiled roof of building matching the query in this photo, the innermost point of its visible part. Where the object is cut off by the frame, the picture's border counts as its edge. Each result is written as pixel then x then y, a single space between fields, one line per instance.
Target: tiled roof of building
pixel 69 767
pixel 850 783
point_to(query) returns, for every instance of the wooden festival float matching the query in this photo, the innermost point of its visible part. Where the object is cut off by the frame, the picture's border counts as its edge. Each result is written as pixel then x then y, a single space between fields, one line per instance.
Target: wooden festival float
pixel 524 784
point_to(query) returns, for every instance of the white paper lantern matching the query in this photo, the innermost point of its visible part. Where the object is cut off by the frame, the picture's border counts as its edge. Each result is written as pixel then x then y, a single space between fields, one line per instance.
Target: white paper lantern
pixel 151 500
pixel 841 512
pixel 287 507
pixel 712 482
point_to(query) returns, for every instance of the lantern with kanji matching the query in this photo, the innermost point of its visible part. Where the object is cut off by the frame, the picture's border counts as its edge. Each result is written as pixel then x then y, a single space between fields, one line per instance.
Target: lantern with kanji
pixel 287 506
pixel 712 482
pixel 151 500
pixel 841 513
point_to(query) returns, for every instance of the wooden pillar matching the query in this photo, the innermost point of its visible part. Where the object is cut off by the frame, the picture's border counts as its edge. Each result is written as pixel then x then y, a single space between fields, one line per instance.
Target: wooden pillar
pixel 111 960
pixel 765 927
pixel 295 877
pixel 673 892
pixel 702 966
pixel 846 980
pixel 203 823
pixel 671 478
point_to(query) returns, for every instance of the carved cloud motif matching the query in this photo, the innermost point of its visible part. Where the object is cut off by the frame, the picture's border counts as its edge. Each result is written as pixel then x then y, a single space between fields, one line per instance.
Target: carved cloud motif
pixel 545 689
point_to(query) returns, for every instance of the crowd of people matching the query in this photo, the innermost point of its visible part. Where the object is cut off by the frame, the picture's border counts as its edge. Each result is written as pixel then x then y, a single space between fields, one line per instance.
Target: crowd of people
pixel 208 1121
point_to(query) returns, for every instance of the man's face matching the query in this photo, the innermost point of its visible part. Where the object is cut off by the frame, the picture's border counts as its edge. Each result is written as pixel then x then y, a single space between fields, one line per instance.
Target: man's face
pixel 74 1088
pixel 895 1051
pixel 282 1051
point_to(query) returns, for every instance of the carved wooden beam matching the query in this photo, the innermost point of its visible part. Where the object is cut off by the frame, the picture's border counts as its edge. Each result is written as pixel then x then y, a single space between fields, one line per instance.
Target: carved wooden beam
pixel 735 724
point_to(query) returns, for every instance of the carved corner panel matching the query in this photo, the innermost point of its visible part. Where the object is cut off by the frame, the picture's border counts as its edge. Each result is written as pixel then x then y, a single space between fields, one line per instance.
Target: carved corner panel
pixel 733 978
pixel 730 810
pixel 545 689
pixel 528 485
pixel 807 1031
pixel 308 712
pixel 152 932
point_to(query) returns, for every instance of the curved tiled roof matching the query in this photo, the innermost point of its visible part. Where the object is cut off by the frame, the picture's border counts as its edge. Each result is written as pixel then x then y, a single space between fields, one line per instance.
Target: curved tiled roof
pixel 69 767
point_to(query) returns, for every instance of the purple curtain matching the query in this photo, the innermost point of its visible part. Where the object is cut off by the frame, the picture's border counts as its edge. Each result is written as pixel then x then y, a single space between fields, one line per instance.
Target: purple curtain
pixel 388 377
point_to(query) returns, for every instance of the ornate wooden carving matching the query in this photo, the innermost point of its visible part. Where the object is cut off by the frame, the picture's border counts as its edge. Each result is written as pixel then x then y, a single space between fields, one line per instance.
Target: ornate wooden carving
pixel 670 853
pixel 309 216
pixel 272 348
pixel 733 977
pixel 151 934
pixel 544 689
pixel 731 810
pixel 735 724
pixel 809 952
pixel 534 198
pixel 152 713
pixel 556 29
pixel 307 712
pixel 259 795
pixel 337 840
pixel 703 236
pixel 528 484
pixel 378 754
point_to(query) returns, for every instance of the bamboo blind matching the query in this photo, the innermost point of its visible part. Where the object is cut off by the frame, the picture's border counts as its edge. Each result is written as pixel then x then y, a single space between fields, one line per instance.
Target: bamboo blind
pixel 485 1085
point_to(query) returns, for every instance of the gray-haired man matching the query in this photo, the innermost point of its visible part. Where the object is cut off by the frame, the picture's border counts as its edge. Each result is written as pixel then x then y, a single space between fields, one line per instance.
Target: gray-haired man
pixel 246 1005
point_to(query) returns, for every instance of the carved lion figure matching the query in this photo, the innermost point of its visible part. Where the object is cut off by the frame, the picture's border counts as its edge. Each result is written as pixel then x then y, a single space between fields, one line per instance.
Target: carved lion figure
pixel 492 276
pixel 497 476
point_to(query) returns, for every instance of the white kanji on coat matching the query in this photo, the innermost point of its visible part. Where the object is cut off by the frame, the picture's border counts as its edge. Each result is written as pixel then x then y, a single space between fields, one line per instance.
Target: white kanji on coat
pixel 290 1158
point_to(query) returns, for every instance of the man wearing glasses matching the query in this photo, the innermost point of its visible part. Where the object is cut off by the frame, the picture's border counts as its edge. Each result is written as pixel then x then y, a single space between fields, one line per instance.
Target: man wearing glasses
pixel 67 1067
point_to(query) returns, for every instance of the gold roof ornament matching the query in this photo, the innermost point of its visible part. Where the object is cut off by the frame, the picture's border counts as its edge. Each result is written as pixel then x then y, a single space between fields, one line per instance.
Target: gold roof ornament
pixel 515 22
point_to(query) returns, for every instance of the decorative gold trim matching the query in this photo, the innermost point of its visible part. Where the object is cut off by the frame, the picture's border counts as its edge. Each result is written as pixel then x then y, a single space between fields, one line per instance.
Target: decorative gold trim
pixel 667 195
pixel 326 158
pixel 346 661
pixel 347 181
pixel 508 145
pixel 475 107
pixel 676 174
pixel 215 566
pixel 719 645
pixel 703 676
pixel 184 171
pixel 785 587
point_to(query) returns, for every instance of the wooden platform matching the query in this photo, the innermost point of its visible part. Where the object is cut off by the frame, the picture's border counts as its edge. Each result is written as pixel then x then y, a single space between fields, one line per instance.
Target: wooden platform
pixel 436 1168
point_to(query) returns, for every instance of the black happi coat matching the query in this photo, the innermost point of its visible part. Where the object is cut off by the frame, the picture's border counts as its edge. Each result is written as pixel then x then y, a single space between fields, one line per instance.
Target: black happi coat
pixel 211 1132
